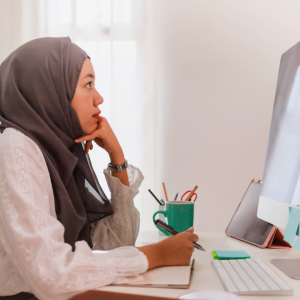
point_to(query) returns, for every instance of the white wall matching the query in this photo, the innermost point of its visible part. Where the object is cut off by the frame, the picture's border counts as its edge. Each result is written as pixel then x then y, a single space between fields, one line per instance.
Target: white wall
pixel 9 23
pixel 217 65
pixel 20 22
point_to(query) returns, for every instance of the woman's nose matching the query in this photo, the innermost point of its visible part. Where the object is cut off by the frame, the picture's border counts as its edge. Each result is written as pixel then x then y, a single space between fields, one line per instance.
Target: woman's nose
pixel 98 99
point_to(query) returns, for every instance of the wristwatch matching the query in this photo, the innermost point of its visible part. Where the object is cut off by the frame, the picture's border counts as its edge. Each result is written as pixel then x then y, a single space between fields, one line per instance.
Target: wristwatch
pixel 118 168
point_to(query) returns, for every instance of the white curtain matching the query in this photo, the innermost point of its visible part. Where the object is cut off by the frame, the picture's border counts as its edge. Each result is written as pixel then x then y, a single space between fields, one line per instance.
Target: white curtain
pixel 118 36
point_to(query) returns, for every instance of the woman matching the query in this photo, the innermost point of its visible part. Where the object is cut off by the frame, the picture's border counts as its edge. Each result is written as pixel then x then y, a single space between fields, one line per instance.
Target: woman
pixel 52 210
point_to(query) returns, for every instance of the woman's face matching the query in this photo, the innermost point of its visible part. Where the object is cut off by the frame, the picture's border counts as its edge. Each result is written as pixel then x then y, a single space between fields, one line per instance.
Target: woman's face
pixel 87 99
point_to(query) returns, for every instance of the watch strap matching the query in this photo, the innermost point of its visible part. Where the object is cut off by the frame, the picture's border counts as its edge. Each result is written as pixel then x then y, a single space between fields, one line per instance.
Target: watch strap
pixel 118 168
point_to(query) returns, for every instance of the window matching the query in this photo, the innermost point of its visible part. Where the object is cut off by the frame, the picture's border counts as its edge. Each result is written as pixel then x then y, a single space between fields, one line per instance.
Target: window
pixel 116 35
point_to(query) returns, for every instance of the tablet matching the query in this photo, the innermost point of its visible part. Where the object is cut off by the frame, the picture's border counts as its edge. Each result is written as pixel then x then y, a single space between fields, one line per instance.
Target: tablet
pixel 245 225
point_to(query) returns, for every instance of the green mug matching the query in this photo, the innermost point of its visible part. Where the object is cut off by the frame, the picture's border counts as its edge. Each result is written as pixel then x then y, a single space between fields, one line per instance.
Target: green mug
pixel 179 214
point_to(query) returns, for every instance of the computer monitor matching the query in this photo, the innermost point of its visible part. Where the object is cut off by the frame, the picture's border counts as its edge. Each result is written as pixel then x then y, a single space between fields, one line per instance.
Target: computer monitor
pixel 281 179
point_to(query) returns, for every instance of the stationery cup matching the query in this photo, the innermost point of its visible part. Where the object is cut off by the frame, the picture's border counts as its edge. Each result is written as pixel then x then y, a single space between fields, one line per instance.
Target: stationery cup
pixel 179 214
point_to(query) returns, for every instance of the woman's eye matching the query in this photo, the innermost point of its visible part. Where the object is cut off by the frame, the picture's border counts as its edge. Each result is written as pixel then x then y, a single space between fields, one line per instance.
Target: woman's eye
pixel 89 85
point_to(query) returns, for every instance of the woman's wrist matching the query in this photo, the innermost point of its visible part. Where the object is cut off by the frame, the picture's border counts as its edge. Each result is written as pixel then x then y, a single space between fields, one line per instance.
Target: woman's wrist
pixel 153 255
pixel 117 158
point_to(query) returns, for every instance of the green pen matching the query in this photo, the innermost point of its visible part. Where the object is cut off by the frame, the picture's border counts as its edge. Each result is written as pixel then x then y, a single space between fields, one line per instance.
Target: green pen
pixel 155 198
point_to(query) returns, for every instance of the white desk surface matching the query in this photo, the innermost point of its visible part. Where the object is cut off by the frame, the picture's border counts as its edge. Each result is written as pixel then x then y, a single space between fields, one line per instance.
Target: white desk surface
pixel 204 277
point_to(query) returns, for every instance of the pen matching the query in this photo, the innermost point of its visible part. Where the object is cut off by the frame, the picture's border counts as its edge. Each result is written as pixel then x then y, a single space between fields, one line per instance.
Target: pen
pixel 170 229
pixel 176 197
pixel 155 198
pixel 165 191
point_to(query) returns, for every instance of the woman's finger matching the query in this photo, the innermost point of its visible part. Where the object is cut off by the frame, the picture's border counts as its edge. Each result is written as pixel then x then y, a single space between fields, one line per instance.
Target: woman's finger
pixel 87 146
pixel 97 133
pixel 195 238
pixel 85 138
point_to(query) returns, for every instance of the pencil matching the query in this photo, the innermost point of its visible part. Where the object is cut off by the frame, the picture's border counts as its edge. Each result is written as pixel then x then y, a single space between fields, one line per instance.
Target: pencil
pixel 155 197
pixel 176 197
pixel 165 191
pixel 191 193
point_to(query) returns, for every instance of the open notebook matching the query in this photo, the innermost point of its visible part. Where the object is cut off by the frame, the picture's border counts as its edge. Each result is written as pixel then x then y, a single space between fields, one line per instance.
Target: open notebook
pixel 177 277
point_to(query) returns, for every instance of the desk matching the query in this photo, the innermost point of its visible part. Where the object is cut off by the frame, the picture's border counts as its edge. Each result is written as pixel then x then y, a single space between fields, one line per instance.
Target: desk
pixel 204 277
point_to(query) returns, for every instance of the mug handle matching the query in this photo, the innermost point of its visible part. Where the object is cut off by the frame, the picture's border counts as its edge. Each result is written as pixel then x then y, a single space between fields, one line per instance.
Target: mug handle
pixel 165 214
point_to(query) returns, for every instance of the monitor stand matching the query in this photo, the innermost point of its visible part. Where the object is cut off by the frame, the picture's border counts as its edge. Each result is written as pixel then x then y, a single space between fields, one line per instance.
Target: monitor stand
pixel 291 267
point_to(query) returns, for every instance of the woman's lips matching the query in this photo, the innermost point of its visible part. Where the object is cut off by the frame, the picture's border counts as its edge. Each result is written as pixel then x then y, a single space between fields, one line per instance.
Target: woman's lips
pixel 97 116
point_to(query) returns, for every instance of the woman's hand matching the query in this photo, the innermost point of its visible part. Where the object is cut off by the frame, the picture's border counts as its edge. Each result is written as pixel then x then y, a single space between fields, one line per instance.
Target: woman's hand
pixel 103 136
pixel 106 139
pixel 173 251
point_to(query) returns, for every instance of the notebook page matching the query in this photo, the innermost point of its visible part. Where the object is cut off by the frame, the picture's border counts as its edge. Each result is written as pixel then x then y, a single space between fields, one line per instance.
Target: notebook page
pixel 173 275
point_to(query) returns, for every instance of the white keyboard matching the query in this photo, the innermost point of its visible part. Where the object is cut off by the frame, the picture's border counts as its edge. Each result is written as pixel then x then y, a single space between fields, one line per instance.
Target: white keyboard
pixel 250 277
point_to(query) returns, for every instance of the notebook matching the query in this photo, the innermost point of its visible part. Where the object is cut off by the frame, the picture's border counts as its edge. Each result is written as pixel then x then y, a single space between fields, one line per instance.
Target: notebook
pixel 177 277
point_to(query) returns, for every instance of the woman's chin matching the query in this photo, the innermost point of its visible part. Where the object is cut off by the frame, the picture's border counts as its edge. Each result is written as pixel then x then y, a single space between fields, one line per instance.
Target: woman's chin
pixel 90 129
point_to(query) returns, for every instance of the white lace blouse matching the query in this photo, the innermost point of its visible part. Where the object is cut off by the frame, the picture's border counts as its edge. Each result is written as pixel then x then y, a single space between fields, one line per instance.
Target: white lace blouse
pixel 33 255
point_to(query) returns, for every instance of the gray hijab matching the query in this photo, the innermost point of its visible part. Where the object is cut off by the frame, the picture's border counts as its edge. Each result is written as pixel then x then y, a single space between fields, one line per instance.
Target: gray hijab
pixel 37 83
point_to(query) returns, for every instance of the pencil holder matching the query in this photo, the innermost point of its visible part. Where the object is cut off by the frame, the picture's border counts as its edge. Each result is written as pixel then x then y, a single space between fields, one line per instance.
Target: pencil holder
pixel 179 214
pixel 161 217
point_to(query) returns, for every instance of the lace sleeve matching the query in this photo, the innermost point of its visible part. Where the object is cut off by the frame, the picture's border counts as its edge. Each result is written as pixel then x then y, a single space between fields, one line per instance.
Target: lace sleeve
pixel 121 228
pixel 36 257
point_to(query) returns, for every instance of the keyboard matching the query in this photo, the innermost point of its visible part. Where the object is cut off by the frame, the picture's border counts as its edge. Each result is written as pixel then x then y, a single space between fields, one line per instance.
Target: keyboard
pixel 250 277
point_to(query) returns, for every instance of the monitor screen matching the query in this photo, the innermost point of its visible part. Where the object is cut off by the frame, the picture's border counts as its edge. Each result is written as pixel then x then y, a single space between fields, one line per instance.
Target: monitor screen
pixel 280 191
pixel 281 179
